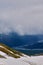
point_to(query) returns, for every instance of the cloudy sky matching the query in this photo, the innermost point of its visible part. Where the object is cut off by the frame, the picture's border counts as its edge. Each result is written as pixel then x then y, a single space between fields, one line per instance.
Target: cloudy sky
pixel 21 16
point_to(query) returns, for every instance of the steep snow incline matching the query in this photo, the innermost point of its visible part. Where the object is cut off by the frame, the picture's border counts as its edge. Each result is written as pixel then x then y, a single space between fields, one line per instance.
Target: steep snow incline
pixel 6 57
pixel 12 61
pixel 26 60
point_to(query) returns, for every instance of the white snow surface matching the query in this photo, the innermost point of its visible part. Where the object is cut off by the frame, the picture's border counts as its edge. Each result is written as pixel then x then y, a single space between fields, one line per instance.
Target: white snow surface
pixel 2 53
pixel 26 60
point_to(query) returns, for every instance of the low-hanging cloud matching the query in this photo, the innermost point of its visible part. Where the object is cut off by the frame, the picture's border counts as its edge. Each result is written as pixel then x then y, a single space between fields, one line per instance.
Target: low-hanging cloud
pixel 22 16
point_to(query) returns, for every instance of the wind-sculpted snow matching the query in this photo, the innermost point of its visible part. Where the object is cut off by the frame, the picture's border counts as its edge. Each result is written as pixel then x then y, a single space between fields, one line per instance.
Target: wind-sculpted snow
pixel 9 59
pixel 26 60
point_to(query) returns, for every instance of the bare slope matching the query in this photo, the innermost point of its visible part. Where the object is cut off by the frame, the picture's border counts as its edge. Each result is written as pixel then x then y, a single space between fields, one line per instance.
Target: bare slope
pixel 9 51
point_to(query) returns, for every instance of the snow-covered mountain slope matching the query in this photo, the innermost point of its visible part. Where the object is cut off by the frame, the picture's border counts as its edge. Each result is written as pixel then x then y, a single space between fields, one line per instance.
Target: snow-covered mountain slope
pixel 9 59
pixel 26 60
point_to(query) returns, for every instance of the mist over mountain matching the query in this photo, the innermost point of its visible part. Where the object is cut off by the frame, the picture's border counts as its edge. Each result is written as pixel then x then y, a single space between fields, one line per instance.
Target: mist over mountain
pixel 26 41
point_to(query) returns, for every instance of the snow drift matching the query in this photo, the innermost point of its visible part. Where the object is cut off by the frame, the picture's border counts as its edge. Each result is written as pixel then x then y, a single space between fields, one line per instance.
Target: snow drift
pixel 7 57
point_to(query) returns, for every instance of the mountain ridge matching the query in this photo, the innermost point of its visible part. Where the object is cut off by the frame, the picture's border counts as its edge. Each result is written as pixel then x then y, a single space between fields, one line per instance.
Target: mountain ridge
pixel 15 40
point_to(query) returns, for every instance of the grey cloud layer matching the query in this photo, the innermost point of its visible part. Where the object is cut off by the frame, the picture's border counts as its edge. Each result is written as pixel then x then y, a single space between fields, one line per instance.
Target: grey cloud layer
pixel 22 16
